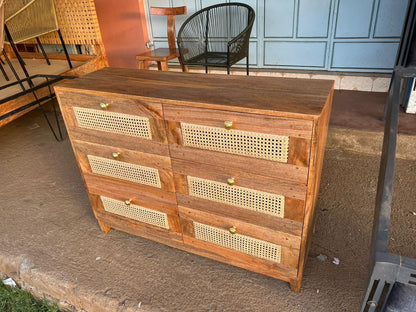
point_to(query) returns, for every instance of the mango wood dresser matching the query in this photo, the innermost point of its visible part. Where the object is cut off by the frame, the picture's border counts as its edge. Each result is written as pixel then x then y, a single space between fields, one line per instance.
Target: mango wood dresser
pixel 227 167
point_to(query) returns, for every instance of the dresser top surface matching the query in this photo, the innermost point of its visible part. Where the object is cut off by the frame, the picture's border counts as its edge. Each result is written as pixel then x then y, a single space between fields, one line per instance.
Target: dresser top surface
pixel 301 98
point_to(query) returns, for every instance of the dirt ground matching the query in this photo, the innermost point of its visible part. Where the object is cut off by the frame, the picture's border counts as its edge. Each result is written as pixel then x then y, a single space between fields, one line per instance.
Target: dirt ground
pixel 51 243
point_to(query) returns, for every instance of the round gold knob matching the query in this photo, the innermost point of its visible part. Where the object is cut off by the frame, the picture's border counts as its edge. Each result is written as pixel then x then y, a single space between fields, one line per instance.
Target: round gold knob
pixel 230 181
pixel 115 155
pixel 104 106
pixel 233 230
pixel 228 124
pixel 128 202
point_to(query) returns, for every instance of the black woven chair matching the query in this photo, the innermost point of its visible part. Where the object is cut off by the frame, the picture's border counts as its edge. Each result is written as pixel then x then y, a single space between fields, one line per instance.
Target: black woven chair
pixel 216 36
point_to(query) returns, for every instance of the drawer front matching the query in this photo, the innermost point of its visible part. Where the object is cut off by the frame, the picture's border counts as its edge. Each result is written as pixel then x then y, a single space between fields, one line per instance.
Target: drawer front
pixel 242 243
pixel 114 115
pixel 113 122
pixel 244 143
pixel 135 212
pixel 125 165
pixel 270 196
pixel 124 171
pixel 234 237
pixel 267 203
pixel 141 195
pixel 275 139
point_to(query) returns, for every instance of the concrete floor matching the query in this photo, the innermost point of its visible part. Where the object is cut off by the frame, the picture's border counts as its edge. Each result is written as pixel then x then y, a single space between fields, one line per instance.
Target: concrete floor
pixel 50 242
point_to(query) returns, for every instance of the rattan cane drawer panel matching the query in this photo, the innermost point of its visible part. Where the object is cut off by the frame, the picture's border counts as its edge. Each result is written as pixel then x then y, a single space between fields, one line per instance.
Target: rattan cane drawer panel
pixel 275 246
pixel 124 171
pixel 245 244
pixel 114 115
pixel 148 196
pixel 118 104
pixel 113 122
pixel 244 143
pixel 135 212
pixel 244 178
pixel 296 128
pixel 122 154
pixel 267 203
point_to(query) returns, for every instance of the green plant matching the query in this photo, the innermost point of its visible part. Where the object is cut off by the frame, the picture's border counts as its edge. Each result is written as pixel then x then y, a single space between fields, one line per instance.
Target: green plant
pixel 17 300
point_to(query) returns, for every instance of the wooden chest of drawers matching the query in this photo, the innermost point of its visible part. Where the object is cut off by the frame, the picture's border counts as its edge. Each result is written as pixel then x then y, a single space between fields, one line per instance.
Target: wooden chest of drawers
pixel 225 167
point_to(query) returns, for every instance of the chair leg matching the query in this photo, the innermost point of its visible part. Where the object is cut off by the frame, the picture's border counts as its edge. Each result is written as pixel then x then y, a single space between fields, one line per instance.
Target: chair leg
pixel 65 50
pixel 206 69
pixel 159 66
pixel 4 72
pixel 43 51
pixel 142 64
pixel 247 68
pixel 19 58
pixel 164 66
pixel 14 71
pixel 228 70
pixel 184 67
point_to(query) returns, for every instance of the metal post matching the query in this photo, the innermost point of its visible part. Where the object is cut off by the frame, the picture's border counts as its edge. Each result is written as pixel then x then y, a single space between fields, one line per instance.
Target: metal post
pixel 13 70
pixel 19 58
pixel 65 50
pixel 43 51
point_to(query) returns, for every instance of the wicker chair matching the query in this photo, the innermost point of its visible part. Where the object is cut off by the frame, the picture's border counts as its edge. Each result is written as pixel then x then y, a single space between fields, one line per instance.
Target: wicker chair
pixel 217 36
pixel 29 19
pixel 2 2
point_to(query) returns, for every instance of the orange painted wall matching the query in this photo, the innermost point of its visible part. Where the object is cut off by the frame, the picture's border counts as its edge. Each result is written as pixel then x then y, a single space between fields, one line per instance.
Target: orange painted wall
pixel 123 29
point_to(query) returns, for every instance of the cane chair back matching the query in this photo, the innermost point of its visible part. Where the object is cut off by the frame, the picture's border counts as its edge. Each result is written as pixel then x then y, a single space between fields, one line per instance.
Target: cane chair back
pixel 27 19
pixel 1 25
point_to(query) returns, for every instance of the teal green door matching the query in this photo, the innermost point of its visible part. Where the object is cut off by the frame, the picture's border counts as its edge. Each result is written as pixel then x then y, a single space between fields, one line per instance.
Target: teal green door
pixel 330 35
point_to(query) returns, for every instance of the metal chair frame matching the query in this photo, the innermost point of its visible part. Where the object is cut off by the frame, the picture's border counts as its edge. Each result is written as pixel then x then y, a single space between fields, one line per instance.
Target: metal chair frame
pixel 387 268
pixel 49 81
pixel 236 48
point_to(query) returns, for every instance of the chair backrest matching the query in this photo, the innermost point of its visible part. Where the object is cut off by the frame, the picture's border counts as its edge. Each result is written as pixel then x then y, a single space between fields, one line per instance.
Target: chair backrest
pixel 30 19
pixel 1 25
pixel 212 28
pixel 170 13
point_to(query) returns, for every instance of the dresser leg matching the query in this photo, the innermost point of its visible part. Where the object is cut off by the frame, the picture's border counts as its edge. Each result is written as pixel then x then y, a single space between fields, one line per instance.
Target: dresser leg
pixel 104 228
pixel 295 285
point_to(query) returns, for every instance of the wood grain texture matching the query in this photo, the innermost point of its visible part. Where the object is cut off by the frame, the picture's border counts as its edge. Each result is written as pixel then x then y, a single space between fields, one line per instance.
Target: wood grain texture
pixel 125 155
pixel 291 173
pixel 145 196
pixel 152 111
pixel 108 138
pixel 139 228
pixel 317 156
pixel 246 122
pixel 293 228
pixel 290 258
pixel 243 178
pixel 284 97
pixel 296 108
pixel 166 176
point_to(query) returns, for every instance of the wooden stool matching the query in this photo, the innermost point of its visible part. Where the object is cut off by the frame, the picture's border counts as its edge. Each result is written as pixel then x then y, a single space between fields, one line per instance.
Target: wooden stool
pixel 163 55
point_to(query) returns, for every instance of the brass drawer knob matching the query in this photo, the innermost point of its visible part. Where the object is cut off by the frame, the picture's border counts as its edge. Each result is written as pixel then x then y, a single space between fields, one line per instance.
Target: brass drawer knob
pixel 230 181
pixel 228 124
pixel 115 155
pixel 233 230
pixel 128 202
pixel 104 106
